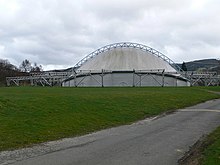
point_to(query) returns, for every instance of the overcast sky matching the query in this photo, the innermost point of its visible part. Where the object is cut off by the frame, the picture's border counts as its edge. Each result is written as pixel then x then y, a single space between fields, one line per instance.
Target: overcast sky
pixel 58 33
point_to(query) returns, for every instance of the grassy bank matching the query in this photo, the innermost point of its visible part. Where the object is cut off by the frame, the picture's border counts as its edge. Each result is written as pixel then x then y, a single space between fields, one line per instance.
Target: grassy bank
pixel 32 115
pixel 210 155
pixel 206 151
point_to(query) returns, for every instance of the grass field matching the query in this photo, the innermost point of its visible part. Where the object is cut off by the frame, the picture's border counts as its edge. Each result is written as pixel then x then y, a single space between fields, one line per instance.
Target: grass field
pixel 30 115
pixel 214 88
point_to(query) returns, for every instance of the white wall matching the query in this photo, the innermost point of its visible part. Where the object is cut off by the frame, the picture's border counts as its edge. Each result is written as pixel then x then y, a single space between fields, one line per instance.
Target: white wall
pixel 125 79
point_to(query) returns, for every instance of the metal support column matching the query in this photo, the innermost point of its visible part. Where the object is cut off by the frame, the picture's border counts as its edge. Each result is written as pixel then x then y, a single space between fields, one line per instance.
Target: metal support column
pixel 163 78
pixel 32 82
pixel 133 78
pixel 140 79
pixel 8 82
pixel 75 79
pixel 102 76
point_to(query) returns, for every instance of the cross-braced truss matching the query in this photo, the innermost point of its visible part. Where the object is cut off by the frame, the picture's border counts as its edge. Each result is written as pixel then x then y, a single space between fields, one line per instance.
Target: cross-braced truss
pixel 203 78
pixel 41 78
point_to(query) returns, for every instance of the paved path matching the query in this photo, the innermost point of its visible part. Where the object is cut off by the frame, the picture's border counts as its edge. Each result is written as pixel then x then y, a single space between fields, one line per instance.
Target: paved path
pixel 156 141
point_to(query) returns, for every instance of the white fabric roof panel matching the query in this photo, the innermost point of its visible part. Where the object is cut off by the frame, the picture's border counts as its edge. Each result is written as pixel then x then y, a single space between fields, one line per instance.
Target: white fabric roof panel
pixel 126 59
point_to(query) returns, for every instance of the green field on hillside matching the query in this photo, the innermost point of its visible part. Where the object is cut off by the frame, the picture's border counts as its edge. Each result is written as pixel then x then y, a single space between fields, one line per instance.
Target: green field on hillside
pixel 30 115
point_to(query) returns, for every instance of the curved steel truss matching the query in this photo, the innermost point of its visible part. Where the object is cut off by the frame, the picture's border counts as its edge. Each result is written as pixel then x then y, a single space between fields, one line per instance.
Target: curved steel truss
pixel 127 45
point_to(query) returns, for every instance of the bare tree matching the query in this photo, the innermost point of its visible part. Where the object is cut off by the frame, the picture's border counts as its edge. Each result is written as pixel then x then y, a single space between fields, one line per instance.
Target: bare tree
pixel 36 68
pixel 25 66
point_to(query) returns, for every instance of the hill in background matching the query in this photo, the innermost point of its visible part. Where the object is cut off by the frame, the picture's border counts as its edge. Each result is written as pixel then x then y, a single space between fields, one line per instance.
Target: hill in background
pixel 205 65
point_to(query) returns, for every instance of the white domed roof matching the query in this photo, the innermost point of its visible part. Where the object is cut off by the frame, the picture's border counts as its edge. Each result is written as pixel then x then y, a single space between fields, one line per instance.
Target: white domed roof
pixel 125 57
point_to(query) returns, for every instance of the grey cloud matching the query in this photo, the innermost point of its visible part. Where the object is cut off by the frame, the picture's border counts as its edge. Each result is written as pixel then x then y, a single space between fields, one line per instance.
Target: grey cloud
pixel 60 33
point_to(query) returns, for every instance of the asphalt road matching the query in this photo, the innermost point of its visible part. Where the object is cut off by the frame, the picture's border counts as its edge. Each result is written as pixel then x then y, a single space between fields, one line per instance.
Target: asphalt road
pixel 156 141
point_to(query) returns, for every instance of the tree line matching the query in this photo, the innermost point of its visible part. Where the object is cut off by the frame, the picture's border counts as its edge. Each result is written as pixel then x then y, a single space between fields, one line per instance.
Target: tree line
pixel 9 70
pixel 25 66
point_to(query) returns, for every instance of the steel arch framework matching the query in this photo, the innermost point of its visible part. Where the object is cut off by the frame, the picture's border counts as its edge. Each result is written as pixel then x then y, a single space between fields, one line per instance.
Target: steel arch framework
pixel 128 45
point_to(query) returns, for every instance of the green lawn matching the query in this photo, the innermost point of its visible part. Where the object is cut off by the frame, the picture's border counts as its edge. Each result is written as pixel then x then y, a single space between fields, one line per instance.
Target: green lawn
pixel 215 88
pixel 30 115
pixel 211 154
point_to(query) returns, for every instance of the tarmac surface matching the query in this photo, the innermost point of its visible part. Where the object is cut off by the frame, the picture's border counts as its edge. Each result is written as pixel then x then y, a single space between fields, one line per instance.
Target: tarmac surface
pixel 161 140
